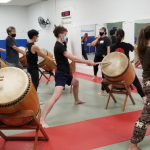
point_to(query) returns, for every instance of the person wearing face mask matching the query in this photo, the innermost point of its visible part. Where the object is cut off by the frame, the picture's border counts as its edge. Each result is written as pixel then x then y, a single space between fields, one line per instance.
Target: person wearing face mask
pixel 65 41
pixel 102 44
pixel 62 75
pixel 12 51
pixel 113 35
pixel 32 52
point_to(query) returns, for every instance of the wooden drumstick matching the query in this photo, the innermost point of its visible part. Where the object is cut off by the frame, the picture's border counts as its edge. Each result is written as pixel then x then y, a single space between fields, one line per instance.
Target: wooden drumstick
pixel 102 63
pixel 1 76
pixel 1 79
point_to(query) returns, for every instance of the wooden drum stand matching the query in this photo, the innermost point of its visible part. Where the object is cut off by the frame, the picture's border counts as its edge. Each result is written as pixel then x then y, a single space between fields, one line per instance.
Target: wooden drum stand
pixel 112 89
pixel 33 125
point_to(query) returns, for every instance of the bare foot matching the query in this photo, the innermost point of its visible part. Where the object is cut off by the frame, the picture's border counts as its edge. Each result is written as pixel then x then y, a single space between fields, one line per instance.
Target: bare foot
pixel 133 147
pixel 79 102
pixel 93 77
pixel 101 93
pixel 144 100
pixel 41 103
pixel 44 125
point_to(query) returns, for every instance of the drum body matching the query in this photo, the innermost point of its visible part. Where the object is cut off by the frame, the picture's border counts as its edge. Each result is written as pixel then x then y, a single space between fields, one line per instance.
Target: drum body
pixel 71 63
pixel 17 93
pixel 2 63
pixel 22 58
pixel 120 69
pixel 44 63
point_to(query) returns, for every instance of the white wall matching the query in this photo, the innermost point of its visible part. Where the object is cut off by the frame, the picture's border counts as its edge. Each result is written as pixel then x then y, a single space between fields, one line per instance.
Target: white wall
pixel 13 16
pixel 85 12
pixel 46 10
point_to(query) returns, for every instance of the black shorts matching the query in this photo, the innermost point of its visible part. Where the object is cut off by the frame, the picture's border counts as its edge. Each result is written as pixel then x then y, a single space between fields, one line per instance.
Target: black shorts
pixel 62 78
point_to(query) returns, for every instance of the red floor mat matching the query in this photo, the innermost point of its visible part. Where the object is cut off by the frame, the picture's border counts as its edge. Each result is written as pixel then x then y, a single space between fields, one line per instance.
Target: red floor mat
pixel 121 125
pixel 84 135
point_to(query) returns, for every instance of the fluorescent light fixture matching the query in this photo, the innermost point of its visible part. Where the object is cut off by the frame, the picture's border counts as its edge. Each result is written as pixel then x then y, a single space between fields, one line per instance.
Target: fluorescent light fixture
pixel 4 1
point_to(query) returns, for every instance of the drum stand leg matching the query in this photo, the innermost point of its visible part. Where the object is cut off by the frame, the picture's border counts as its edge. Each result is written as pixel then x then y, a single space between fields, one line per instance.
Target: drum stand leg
pixel 48 79
pixel 43 74
pixel 112 90
pixel 33 125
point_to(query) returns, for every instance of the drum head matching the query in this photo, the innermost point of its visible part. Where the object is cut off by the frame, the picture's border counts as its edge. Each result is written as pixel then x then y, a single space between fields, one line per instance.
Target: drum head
pixel 70 61
pixel 41 59
pixel 119 64
pixel 22 48
pixel 14 84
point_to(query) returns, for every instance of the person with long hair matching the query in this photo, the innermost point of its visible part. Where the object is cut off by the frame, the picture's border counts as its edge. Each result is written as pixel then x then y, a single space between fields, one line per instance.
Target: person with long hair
pixel 125 48
pixel 143 121
pixel 102 44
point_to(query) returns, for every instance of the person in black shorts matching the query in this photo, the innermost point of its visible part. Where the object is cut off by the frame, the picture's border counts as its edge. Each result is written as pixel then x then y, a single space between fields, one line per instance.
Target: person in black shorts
pixel 32 52
pixel 62 75
pixel 125 48
pixel 113 35
pixel 102 44
pixel 84 39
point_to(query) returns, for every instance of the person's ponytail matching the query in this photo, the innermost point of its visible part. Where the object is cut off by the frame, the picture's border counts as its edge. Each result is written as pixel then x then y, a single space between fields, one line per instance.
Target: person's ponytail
pixel 119 36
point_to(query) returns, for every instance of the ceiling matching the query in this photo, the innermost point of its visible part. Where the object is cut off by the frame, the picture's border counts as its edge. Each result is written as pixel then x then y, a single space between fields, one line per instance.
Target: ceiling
pixel 21 2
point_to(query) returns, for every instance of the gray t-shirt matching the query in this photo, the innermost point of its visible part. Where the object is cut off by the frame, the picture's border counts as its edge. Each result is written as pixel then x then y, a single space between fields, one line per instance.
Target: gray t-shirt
pixel 12 56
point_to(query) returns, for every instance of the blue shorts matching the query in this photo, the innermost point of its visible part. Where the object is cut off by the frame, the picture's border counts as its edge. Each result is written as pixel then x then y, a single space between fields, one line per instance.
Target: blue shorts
pixel 62 78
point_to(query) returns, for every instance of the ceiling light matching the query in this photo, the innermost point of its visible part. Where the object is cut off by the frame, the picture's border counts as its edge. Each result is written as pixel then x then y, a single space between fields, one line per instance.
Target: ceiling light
pixel 4 1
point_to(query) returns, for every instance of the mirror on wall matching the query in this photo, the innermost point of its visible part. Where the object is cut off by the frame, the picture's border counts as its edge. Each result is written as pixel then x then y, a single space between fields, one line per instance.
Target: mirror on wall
pixel 110 26
pixel 87 37
pixel 139 24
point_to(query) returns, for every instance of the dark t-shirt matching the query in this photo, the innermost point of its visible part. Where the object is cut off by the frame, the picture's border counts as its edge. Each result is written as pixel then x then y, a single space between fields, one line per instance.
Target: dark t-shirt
pixel 102 44
pixel 123 47
pixel 113 39
pixel 146 63
pixel 12 56
pixel 61 60
pixel 32 59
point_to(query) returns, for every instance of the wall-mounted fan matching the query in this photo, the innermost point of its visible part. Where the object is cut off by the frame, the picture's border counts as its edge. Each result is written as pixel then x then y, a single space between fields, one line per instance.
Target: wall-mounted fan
pixel 44 24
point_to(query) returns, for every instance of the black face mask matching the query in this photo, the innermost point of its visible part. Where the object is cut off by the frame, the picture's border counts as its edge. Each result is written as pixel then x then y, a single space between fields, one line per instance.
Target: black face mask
pixel 101 33
pixel 13 35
